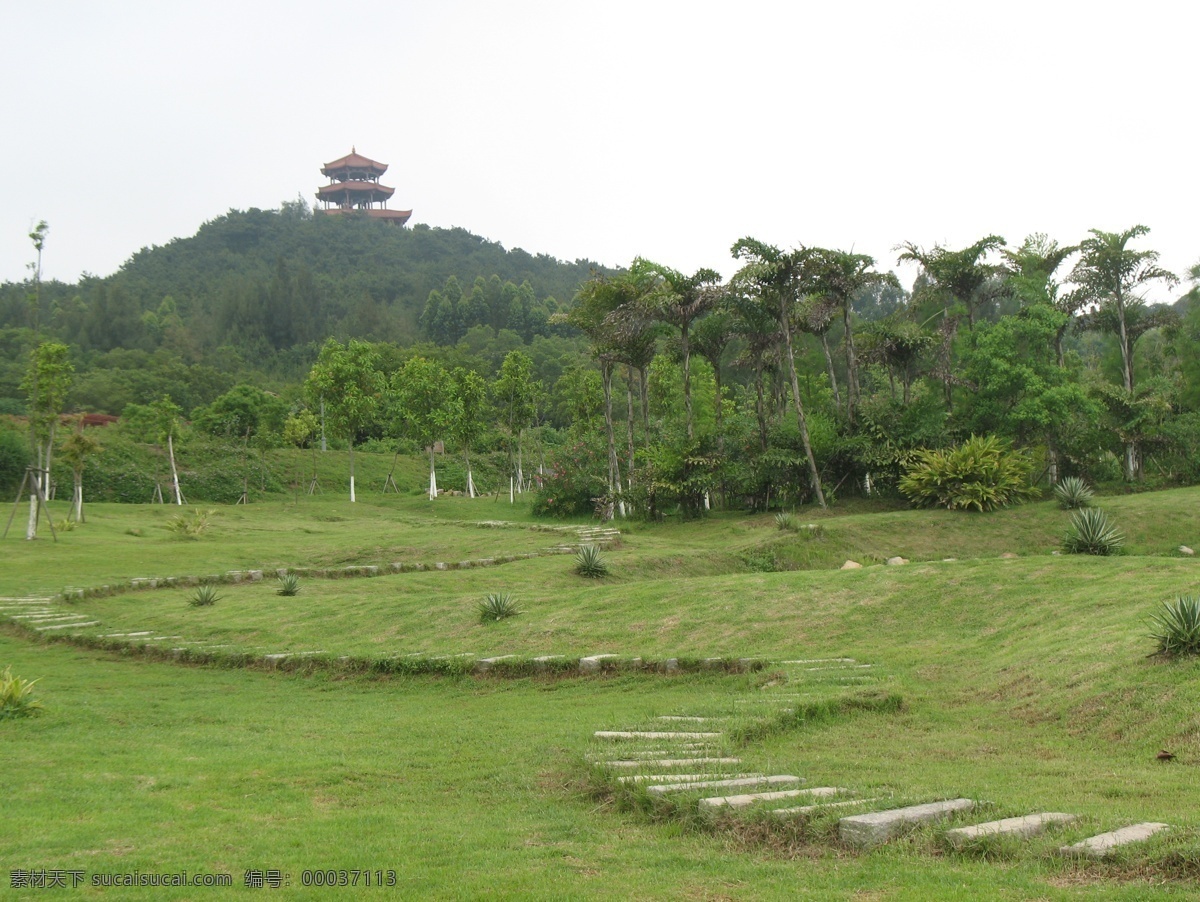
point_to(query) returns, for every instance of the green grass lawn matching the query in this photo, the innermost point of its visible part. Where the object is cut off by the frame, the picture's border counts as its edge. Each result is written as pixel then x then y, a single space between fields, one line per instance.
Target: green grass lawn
pixel 1025 683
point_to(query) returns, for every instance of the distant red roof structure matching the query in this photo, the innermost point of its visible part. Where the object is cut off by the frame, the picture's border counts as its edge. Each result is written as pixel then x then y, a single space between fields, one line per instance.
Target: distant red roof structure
pixel 354 188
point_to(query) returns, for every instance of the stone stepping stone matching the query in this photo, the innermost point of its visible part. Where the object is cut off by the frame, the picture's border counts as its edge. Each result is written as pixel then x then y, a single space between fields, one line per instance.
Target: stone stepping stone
pixel 673 778
pixel 684 717
pixel 651 734
pixel 593 663
pixel 126 635
pixel 744 800
pixel 1105 843
pixel 63 626
pixel 877 827
pixel 38 618
pixel 735 783
pixel 672 762
pixel 822 661
pixel 821 806
pixel 1024 827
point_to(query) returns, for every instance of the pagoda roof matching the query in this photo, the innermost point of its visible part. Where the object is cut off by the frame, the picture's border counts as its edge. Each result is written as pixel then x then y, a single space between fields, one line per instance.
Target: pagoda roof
pixel 357 190
pixel 356 162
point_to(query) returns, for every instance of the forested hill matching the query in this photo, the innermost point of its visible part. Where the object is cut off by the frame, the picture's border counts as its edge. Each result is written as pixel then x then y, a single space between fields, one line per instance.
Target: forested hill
pixel 264 281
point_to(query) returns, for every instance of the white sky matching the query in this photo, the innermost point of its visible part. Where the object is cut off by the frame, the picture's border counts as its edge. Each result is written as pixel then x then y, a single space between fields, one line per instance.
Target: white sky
pixel 605 130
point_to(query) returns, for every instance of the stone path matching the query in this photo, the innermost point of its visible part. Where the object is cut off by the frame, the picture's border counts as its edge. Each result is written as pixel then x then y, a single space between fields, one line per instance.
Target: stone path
pixel 685 782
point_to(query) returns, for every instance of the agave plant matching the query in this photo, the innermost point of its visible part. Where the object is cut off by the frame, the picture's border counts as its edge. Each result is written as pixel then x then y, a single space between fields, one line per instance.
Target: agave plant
pixel 289 585
pixel 1176 627
pixel 15 697
pixel 1073 493
pixel 589 562
pixel 204 596
pixel 785 521
pixel 497 606
pixel 1093 533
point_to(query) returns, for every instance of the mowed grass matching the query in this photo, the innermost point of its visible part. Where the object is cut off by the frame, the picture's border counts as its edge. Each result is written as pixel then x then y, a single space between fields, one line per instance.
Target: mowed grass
pixel 1025 682
pixel 466 789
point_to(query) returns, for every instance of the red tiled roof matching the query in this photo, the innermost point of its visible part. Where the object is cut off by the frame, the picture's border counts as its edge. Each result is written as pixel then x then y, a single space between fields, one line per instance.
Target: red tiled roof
pixel 354 161
pixel 355 189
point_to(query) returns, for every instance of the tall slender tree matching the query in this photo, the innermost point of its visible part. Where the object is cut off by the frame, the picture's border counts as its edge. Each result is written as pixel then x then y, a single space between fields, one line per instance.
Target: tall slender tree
pixel 1113 276
pixel 786 278
pixel 46 383
pixel 679 300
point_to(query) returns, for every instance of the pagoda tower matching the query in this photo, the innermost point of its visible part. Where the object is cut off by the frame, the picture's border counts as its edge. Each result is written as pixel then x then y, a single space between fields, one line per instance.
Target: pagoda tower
pixel 354 188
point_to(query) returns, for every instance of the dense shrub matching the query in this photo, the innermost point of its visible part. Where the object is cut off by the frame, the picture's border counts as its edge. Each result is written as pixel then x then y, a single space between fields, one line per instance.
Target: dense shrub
pixel 14 457
pixel 983 473
pixel 577 473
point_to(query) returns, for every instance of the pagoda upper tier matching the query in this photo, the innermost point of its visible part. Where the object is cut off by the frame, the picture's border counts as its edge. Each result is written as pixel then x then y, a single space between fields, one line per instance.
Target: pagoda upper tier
pixel 354 188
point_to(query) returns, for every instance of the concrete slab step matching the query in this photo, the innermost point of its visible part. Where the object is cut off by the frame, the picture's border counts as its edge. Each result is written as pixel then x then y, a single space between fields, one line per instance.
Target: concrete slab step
pixel 64 626
pixel 735 783
pixel 651 734
pixel 1024 826
pixel 821 806
pixel 1105 843
pixel 750 798
pixel 678 778
pixel 877 827
pixel 672 762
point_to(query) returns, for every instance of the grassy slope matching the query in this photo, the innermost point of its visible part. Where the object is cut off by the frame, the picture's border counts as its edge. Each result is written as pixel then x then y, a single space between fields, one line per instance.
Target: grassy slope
pixel 1026 682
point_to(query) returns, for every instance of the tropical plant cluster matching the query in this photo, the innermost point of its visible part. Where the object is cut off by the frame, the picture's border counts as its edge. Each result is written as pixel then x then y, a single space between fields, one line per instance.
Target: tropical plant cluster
pixel 811 373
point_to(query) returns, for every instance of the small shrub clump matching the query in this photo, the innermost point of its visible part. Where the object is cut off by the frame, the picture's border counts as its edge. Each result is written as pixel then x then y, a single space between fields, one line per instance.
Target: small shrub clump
pixel 1093 533
pixel 589 562
pixel 983 473
pixel 785 522
pixel 204 596
pixel 193 525
pixel 1176 626
pixel 1073 493
pixel 16 697
pixel 497 606
pixel 289 585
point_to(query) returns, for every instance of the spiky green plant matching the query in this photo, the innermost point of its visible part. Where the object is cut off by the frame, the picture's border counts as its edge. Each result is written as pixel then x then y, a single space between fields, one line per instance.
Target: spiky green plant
pixel 1093 533
pixel 204 596
pixel 785 521
pixel 289 585
pixel 1073 493
pixel 1176 626
pixel 497 606
pixel 589 562
pixel 16 697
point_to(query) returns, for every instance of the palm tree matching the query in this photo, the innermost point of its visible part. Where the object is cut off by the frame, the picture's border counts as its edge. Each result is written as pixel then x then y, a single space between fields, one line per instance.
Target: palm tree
pixel 1114 277
pixel 1030 273
pixel 679 300
pixel 841 275
pixel 957 275
pixel 785 278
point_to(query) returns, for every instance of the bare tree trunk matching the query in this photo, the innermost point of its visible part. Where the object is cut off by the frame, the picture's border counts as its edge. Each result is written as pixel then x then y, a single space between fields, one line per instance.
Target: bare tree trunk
pixel 629 424
pixel 760 407
pixel 433 492
pixel 687 380
pixel 352 498
pixel 470 480
pixel 800 418
pixel 174 470
pixel 614 468
pixel 833 383
pixel 852 388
